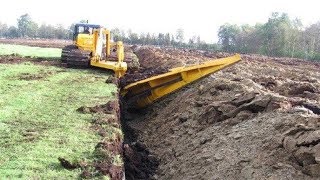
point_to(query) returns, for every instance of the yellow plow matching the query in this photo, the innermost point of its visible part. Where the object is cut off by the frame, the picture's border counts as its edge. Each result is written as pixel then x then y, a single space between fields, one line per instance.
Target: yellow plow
pixel 145 92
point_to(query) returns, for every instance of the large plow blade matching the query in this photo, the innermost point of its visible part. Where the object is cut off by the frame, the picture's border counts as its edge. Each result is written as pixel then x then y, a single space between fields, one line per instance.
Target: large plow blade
pixel 146 91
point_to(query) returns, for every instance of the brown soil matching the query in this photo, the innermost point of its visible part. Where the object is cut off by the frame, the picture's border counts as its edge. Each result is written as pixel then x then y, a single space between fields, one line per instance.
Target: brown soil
pixel 154 61
pixel 52 43
pixel 258 119
pixel 40 75
pixel 11 59
pixel 139 162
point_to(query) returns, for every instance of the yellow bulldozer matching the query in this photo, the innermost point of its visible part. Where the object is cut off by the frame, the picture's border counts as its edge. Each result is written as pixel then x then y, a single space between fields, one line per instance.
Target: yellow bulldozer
pixel 92 46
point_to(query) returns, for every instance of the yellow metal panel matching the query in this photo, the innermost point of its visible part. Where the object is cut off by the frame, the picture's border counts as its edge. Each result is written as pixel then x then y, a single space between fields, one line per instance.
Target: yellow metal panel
pixel 108 42
pixel 148 90
pixel 119 68
pixel 85 42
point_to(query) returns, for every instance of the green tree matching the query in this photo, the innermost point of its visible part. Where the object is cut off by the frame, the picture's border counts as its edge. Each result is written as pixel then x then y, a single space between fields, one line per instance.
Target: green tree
pixel 133 37
pixel 116 34
pixel 142 38
pixel 173 41
pixel 12 32
pixel 148 39
pixel 276 34
pixel 27 27
pixel 311 37
pixel 61 32
pixel 167 40
pixel 180 35
pixel 227 36
pixel 3 29
pixel 160 39
pixel 46 31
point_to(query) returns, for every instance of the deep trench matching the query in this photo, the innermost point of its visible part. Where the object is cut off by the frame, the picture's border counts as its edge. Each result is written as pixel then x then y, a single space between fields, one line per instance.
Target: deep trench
pixel 139 163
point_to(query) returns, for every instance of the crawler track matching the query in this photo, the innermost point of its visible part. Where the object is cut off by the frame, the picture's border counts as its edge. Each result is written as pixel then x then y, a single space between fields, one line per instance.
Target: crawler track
pixel 75 57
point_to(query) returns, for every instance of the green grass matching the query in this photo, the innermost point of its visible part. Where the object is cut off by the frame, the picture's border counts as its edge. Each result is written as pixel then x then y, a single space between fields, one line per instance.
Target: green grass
pixel 27 51
pixel 39 121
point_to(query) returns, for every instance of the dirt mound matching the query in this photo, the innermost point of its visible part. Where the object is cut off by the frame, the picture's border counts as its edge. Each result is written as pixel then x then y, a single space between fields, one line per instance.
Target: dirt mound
pixel 140 164
pixel 167 58
pixel 134 76
pixel 257 119
pixel 303 143
pixel 154 61
pixel 109 108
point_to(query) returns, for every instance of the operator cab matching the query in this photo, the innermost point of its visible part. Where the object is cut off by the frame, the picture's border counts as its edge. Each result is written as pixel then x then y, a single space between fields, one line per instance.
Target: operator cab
pixel 84 28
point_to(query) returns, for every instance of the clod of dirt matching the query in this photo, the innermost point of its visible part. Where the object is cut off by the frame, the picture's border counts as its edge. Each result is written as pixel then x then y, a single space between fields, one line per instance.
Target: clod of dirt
pixel 134 76
pixel 114 147
pixel 246 98
pixel 267 82
pixel 303 143
pixel 112 79
pixel 67 164
pixel 131 58
pixel 140 164
pixel 115 172
pixel 28 76
pixel 315 108
pixel 297 89
pixel 109 108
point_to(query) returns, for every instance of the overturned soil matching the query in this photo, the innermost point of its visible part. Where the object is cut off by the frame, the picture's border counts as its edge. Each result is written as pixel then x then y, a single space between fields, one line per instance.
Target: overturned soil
pixel 47 43
pixel 256 119
pixel 11 59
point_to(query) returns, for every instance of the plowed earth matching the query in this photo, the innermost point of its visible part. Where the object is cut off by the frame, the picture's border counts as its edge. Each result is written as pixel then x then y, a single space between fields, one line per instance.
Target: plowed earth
pixel 57 43
pixel 258 119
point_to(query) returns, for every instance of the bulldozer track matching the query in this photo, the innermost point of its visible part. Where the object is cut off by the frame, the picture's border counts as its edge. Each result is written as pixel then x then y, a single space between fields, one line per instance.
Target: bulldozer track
pixel 75 57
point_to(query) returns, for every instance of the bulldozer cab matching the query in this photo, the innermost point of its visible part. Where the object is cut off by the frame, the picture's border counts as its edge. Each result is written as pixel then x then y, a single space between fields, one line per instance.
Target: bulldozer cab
pixel 83 28
pixel 83 36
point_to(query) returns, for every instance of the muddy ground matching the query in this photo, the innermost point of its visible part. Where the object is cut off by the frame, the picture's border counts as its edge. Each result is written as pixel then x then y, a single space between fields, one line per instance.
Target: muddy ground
pixel 258 119
pixel 10 59
pixel 56 43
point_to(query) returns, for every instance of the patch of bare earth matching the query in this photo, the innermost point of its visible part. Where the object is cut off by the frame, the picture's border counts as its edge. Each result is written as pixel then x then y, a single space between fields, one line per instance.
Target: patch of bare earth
pixel 256 119
pixel 52 43
pixel 12 59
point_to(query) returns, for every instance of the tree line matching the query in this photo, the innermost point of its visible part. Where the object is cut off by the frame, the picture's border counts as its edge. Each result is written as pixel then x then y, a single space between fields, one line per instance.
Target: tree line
pixel 27 28
pixel 162 39
pixel 279 36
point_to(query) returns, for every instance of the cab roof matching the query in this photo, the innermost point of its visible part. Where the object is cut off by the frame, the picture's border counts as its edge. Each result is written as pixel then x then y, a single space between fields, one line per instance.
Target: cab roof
pixel 95 26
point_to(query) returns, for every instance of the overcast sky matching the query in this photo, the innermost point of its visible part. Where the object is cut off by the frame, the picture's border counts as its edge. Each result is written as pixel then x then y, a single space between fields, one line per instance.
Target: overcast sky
pixel 199 17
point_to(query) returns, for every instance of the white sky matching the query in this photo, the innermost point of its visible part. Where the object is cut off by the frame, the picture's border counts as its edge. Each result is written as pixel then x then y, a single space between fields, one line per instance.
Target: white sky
pixel 200 17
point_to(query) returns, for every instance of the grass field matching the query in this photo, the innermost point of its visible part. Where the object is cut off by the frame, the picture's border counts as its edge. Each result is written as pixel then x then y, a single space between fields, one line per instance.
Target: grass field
pixel 27 51
pixel 39 121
